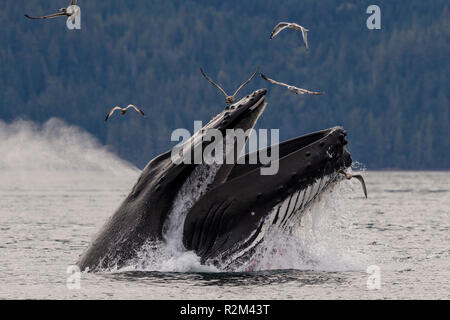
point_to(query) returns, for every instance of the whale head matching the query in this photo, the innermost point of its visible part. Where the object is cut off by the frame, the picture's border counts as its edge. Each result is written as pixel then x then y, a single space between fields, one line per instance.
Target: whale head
pixel 144 212
pixel 229 218
pixel 228 223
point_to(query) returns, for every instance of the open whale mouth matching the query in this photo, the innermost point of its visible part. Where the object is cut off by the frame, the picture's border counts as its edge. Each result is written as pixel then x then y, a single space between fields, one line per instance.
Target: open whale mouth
pixel 242 115
pixel 229 218
pixel 307 166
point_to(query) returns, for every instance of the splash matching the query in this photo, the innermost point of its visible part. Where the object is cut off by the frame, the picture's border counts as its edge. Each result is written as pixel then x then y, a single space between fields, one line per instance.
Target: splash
pixel 56 149
pixel 321 242
pixel 170 255
pixel 191 191
pixel 158 256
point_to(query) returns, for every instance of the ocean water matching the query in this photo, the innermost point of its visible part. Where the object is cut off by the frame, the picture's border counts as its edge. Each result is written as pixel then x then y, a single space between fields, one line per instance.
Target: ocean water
pixel 58 186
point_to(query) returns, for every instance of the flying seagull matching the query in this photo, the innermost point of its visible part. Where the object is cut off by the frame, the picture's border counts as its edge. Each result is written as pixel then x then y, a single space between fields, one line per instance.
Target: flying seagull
pixel 123 111
pixel 229 99
pixel 69 11
pixel 292 88
pixel 283 25
pixel 356 176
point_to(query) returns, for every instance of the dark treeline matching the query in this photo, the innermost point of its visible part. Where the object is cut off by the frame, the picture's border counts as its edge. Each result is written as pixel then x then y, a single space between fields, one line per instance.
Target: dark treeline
pixel 389 88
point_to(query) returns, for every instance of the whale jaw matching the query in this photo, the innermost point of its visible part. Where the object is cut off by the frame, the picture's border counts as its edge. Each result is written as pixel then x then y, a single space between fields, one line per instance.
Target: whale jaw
pixel 229 219
pixel 232 218
pixel 143 214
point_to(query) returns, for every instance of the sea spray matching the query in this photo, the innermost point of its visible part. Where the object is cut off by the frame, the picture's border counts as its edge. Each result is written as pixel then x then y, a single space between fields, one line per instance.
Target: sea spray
pixel 191 191
pixel 321 241
pixel 55 147
pixel 170 254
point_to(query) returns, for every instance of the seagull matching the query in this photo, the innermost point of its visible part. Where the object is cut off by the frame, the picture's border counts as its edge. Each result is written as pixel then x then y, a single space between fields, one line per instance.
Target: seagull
pixel 292 88
pixel 357 176
pixel 123 111
pixel 229 99
pixel 69 11
pixel 283 25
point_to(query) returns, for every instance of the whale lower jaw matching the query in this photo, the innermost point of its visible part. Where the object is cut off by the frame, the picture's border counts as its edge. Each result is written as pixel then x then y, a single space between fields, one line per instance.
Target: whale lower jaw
pixel 284 217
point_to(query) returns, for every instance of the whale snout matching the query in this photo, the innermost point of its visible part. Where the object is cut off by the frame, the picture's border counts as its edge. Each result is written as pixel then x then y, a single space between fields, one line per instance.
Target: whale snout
pixel 259 93
pixel 248 102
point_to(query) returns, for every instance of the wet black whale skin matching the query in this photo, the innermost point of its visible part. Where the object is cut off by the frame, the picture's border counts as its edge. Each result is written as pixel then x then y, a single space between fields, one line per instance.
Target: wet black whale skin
pixel 218 220
pixel 142 215
pixel 230 213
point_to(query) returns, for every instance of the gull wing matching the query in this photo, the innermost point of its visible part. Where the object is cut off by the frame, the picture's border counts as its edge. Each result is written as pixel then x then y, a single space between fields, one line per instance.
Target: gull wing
pixel 304 91
pixel 292 88
pixel 245 83
pixel 273 81
pixel 135 108
pixel 111 112
pixel 73 2
pixel 213 83
pixel 278 28
pixel 46 17
pixel 305 37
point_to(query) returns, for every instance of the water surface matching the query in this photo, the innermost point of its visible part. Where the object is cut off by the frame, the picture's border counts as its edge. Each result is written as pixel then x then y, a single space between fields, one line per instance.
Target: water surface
pixel 58 187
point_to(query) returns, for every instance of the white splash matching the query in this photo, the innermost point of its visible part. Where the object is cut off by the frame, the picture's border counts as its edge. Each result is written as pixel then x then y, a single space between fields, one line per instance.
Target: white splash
pixel 159 257
pixel 171 254
pixel 323 240
pixel 191 191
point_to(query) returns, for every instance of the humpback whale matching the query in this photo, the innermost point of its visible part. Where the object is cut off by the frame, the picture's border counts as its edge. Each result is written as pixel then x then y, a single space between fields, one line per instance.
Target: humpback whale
pixel 228 221
pixel 232 219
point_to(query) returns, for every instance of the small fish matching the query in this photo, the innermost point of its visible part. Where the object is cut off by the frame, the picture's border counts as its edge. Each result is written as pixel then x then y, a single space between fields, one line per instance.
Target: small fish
pixel 356 176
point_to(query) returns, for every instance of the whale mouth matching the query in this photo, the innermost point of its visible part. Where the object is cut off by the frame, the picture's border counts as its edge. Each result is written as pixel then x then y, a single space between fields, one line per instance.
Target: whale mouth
pixel 242 114
pixel 256 105
pixel 308 165
pixel 228 203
